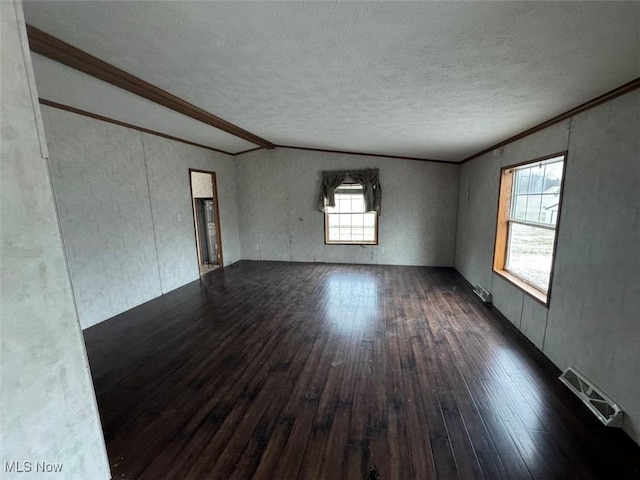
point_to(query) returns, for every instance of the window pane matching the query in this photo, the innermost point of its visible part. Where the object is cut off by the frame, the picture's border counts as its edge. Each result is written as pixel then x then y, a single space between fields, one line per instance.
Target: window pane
pixel 549 212
pixel 536 179
pixel 345 234
pixel 522 181
pixel 530 253
pixel 343 202
pixel 357 204
pixel 533 208
pixel 530 179
pixel 369 219
pixel 519 207
pixel 536 206
pixel 553 177
pixel 369 234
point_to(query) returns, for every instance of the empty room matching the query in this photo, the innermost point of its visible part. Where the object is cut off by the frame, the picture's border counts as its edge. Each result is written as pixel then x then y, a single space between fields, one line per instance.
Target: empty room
pixel 320 240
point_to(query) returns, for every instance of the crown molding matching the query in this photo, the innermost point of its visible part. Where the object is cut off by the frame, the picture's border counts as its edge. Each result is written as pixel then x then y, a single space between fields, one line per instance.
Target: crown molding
pixel 60 106
pixel 62 52
pixel 247 151
pixel 606 97
pixel 363 154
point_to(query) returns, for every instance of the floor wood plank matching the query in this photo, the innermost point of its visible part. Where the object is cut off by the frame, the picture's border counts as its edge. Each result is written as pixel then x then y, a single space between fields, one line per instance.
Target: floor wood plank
pixel 274 370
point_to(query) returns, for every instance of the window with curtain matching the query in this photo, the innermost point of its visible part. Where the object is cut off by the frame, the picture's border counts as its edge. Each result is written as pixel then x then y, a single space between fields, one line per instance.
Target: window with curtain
pixel 347 222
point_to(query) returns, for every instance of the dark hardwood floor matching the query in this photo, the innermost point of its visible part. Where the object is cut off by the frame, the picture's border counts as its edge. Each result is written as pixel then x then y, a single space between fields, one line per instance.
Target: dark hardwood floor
pixel 282 370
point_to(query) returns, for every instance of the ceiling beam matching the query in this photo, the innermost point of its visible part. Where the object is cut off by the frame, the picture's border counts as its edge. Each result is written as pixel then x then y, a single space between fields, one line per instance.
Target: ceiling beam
pixel 606 97
pixel 62 52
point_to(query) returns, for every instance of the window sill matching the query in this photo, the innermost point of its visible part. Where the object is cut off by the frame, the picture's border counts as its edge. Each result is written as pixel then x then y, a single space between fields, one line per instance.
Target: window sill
pixel 520 284
pixel 364 244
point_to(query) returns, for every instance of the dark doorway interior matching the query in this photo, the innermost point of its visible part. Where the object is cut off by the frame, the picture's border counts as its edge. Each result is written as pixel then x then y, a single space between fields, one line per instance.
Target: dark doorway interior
pixel 206 220
pixel 207 242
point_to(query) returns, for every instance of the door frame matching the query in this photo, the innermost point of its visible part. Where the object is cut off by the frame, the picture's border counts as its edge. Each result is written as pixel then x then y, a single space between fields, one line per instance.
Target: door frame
pixel 216 212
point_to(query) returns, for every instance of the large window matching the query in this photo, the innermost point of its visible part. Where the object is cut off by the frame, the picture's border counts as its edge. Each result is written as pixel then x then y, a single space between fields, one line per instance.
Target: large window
pixel 528 213
pixel 347 222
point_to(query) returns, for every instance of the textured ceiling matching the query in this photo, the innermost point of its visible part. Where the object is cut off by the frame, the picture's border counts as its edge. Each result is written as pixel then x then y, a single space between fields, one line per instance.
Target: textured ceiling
pixel 422 79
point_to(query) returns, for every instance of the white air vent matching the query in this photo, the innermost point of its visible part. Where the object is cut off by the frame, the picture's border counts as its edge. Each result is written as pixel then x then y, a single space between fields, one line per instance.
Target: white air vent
pixel 483 293
pixel 602 406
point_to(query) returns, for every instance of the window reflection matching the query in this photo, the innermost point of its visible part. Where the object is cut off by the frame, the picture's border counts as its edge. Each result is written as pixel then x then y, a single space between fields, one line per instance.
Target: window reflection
pixel 351 303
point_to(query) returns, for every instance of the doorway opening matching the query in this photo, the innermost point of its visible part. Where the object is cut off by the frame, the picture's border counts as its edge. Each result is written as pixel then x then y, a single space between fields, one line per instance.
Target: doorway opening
pixel 206 220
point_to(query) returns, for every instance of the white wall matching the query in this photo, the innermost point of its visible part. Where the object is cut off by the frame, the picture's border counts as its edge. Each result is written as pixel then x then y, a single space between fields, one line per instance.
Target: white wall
pixel 279 220
pixel 47 404
pixel 592 319
pixel 125 210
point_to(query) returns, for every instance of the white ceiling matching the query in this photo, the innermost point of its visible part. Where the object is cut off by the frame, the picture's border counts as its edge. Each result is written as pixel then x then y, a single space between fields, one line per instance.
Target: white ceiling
pixel 436 80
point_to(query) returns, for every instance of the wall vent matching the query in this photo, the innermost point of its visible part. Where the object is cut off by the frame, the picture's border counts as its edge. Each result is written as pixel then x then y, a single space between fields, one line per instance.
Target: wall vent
pixel 602 406
pixel 483 293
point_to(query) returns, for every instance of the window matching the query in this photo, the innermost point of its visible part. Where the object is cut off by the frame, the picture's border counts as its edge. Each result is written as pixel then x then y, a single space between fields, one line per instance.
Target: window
pixel 528 214
pixel 347 222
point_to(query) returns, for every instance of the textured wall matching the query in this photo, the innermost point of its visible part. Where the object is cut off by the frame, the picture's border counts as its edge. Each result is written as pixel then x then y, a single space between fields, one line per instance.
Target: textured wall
pixel 168 164
pixel 280 221
pixel 47 405
pixel 101 191
pixel 125 210
pixel 478 200
pixel 591 322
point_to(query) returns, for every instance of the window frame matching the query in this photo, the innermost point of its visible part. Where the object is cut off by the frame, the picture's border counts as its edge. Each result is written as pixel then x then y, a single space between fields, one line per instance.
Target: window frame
pixel 501 240
pixel 357 243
